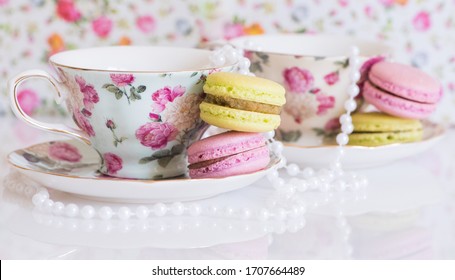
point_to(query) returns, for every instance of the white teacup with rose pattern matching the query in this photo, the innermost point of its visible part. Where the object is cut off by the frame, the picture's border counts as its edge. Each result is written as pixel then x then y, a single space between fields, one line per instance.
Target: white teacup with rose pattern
pixel 314 71
pixel 138 107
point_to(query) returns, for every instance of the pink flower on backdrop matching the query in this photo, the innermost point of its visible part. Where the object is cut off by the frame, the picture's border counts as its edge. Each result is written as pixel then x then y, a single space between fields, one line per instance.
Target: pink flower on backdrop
pixel 28 100
pixel 113 163
pixel 422 21
pixel 3 2
pixel 122 80
pixel 165 95
pixel 64 151
pixel 368 11
pixel 146 23
pixel 102 26
pixel 343 3
pixel 326 102
pixel 83 123
pixel 298 80
pixel 233 30
pixel 90 95
pixel 154 117
pixel 332 78
pixel 332 125
pixel 68 11
pixel 156 135
pixel 387 3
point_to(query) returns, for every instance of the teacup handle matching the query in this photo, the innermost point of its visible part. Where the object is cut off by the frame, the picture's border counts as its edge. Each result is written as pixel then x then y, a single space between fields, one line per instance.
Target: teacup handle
pixel 13 84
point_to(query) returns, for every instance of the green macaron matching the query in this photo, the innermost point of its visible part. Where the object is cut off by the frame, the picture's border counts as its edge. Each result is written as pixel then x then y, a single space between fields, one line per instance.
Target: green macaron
pixel 378 129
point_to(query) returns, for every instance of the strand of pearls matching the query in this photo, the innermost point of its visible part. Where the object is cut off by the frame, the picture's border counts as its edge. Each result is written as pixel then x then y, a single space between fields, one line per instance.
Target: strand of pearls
pixel 230 55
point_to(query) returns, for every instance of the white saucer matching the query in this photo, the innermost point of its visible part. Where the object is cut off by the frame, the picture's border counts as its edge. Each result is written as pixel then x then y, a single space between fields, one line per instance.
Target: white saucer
pixel 357 157
pixel 82 178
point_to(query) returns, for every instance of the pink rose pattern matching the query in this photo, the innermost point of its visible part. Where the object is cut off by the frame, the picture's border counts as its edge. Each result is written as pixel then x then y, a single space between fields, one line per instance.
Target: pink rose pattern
pixel 326 102
pixel 165 95
pixel 156 135
pixel 64 152
pixel 83 123
pixel 122 80
pixel 298 80
pixel 90 95
pixel 113 163
pixel 422 21
pixel 28 100
pixel 332 78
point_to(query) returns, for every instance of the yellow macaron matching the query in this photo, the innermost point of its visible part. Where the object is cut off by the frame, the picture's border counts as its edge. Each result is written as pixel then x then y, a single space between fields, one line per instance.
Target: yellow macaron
pixel 242 103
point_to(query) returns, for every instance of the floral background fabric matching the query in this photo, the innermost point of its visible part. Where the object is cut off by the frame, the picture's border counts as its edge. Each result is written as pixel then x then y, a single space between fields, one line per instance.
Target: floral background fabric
pixel 421 32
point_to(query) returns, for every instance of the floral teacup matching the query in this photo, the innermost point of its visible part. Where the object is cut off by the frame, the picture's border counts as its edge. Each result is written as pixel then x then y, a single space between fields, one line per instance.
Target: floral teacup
pixel 137 106
pixel 314 71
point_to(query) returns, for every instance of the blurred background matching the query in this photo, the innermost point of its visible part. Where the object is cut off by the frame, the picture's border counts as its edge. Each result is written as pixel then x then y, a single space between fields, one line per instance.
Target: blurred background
pixel 421 32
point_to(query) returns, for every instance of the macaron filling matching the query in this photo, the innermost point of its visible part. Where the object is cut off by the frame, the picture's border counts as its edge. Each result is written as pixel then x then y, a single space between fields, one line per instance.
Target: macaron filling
pixel 245 105
pixel 391 93
pixel 209 162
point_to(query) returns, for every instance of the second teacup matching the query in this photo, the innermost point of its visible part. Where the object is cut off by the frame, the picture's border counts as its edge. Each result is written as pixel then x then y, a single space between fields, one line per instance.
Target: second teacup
pixel 137 106
pixel 314 71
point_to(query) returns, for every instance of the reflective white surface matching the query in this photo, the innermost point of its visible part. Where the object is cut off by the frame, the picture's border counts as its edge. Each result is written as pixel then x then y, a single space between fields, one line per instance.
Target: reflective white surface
pixel 407 212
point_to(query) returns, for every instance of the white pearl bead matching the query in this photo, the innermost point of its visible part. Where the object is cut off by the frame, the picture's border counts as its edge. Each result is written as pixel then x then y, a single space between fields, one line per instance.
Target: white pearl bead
pixel 308 172
pixel 71 210
pixel 142 212
pixel 38 199
pixel 269 134
pixel 58 208
pixel 354 50
pixel 293 169
pixel 345 118
pixel 177 208
pixel 46 206
pixel 245 213
pixel 353 91
pixel 278 183
pixel 342 139
pixel 159 209
pixel 277 147
pixel 263 214
pixel 281 214
pixel 244 63
pixel 229 211
pixel 194 209
pixel 287 191
pixel 272 175
pixel 231 56
pixel 354 76
pixel 124 213
pixel 335 165
pixel 339 186
pixel 243 71
pixel 105 213
pixel 217 60
pixel 88 212
pixel 44 193
pixel 313 183
pixel 347 128
pixel 303 186
pixel 350 105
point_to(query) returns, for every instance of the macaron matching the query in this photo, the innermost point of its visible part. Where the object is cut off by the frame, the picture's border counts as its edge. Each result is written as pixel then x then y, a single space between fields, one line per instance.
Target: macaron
pixel 401 90
pixel 227 154
pixel 242 103
pixel 377 129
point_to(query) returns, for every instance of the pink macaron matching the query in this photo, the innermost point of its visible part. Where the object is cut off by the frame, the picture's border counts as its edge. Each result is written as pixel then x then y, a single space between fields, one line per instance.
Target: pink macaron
pixel 227 154
pixel 401 90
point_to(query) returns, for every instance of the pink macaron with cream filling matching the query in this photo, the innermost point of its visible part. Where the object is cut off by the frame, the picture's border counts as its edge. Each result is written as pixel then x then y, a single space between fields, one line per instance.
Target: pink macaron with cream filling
pixel 401 90
pixel 227 154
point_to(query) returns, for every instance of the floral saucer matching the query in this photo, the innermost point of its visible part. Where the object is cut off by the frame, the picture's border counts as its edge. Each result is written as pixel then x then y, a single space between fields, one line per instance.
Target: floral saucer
pixel 357 157
pixel 72 167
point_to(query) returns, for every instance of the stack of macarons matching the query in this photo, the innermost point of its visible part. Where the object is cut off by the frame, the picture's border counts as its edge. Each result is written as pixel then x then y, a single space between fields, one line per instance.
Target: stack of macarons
pixel 245 105
pixel 404 95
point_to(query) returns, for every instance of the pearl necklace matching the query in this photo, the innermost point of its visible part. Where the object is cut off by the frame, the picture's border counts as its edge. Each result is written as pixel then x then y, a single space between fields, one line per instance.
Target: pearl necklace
pixel 282 203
